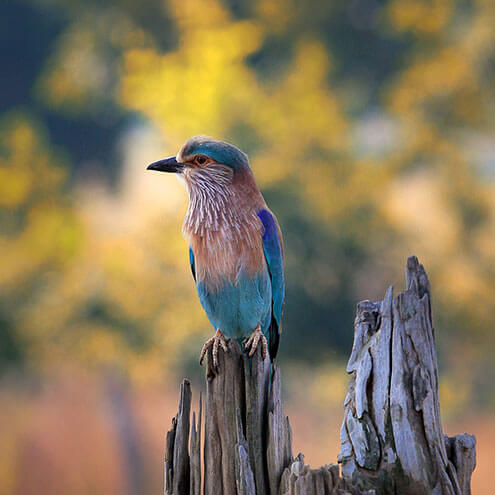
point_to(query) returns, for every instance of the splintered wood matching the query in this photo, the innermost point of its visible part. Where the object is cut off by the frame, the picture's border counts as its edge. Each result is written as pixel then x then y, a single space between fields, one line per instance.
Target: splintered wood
pixel 391 437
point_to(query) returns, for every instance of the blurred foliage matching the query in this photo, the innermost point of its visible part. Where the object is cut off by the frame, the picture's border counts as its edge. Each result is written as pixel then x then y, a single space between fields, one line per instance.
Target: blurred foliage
pixel 370 127
pixel 39 232
pixel 370 130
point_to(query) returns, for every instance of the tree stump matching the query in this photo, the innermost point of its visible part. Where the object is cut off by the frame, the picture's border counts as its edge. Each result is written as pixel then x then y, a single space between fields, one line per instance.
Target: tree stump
pixel 391 436
pixel 247 437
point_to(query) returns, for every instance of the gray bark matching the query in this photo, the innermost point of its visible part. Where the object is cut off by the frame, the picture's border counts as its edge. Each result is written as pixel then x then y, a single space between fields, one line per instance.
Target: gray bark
pixel 391 436
pixel 195 453
pixel 256 376
pixel 177 466
pixel 279 443
pixel 224 396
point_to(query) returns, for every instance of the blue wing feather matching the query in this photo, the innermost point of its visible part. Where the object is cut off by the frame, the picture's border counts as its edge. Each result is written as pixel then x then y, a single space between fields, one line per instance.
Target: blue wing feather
pixel 191 262
pixel 272 247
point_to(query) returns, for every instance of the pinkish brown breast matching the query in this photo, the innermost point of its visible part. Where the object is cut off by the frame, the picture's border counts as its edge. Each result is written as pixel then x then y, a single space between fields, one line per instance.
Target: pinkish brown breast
pixel 223 228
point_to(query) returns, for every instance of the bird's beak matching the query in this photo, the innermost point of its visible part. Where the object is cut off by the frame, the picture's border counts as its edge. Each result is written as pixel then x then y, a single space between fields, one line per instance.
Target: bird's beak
pixel 166 165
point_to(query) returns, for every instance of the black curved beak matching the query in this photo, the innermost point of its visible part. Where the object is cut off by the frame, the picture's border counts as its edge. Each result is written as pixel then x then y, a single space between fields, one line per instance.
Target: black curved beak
pixel 169 164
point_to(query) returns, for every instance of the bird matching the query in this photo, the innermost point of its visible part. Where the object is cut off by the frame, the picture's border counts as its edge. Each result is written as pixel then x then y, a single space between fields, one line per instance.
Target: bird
pixel 236 248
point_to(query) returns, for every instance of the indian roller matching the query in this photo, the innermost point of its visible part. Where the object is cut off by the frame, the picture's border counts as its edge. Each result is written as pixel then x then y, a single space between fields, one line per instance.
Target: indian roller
pixel 235 245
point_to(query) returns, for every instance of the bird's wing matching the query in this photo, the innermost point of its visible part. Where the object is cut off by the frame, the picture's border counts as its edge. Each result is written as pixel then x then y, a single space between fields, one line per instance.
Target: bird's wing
pixel 191 262
pixel 274 255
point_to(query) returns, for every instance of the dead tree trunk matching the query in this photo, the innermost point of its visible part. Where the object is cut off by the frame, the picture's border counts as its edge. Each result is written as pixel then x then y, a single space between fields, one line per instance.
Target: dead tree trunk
pixel 247 441
pixel 391 437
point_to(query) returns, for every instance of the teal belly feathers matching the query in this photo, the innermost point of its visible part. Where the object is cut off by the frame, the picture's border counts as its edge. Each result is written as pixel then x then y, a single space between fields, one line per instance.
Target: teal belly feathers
pixel 237 309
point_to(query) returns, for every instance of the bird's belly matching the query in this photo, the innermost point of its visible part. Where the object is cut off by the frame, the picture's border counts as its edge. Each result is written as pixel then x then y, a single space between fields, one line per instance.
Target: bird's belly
pixel 237 309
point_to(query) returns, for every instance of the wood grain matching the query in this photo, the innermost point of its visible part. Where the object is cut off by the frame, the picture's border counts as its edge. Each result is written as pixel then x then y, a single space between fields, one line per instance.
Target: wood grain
pixel 391 436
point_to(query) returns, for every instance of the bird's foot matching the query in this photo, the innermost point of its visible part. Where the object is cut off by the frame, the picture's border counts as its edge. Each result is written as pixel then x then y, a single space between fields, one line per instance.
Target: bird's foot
pixel 215 341
pixel 254 340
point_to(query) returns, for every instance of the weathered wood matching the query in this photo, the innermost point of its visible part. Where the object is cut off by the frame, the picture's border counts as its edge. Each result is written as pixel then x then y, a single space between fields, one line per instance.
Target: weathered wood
pixel 181 443
pixel 245 479
pixel 391 435
pixel 300 479
pixel 248 440
pixel 256 376
pixel 461 451
pixel 225 394
pixel 169 457
pixel 279 443
pixel 195 452
pixel 176 467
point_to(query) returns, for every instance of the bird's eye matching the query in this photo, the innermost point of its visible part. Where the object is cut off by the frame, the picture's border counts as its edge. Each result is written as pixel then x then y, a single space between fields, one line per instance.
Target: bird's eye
pixel 200 160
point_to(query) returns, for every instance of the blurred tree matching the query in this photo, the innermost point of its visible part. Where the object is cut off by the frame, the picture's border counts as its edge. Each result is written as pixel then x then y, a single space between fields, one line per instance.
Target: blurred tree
pixel 370 129
pixel 39 232
pixel 442 198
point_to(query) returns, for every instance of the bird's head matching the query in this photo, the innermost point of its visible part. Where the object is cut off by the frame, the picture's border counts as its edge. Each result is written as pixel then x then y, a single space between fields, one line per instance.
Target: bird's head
pixel 203 160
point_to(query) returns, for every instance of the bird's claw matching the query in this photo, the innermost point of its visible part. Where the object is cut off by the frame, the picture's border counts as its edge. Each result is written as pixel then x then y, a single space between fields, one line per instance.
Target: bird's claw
pixel 254 340
pixel 215 341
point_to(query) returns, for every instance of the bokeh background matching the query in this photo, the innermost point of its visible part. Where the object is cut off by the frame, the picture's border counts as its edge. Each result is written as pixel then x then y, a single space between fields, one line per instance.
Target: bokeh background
pixel 370 126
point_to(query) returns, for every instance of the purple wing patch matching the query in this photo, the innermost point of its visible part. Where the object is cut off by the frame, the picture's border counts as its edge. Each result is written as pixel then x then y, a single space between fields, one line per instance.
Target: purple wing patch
pixel 270 233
